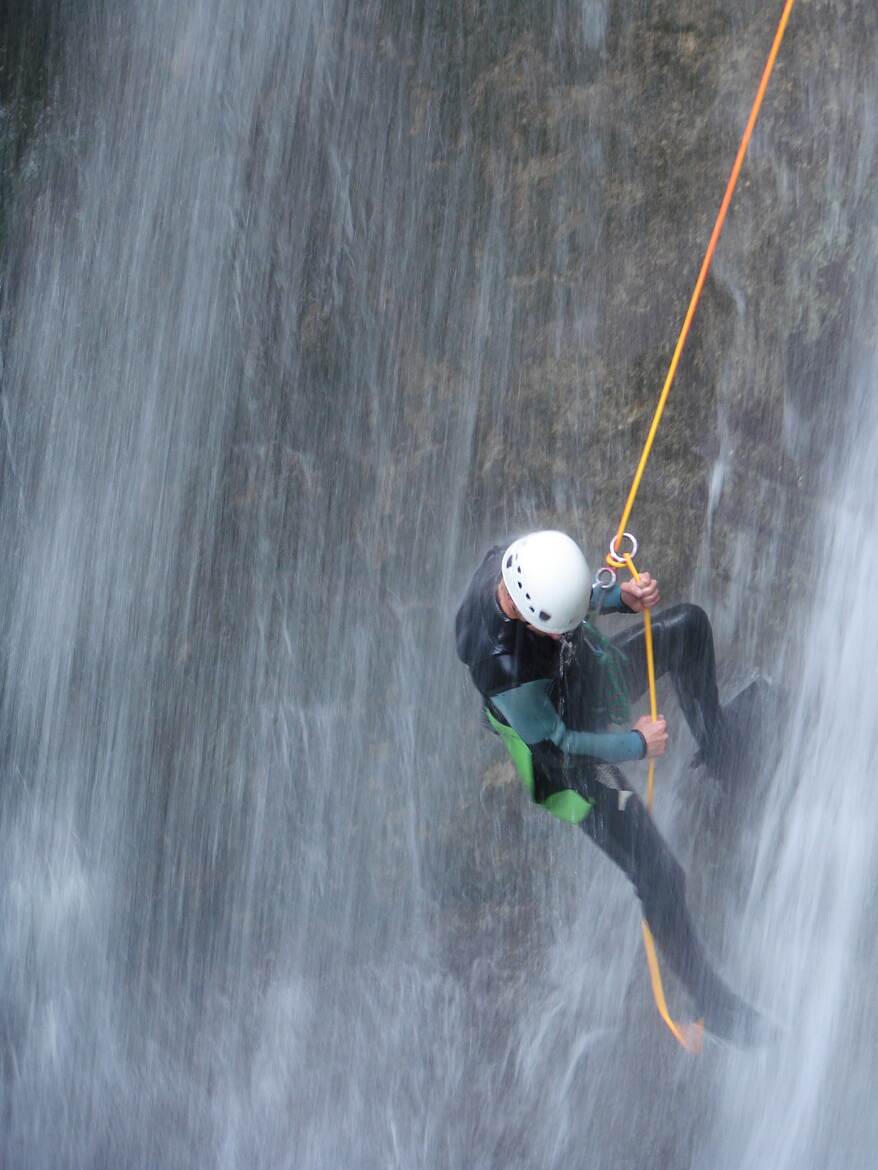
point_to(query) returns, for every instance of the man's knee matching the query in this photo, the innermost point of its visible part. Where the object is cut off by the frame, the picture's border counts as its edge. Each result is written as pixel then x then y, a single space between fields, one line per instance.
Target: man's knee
pixel 685 625
pixel 687 615
pixel 696 617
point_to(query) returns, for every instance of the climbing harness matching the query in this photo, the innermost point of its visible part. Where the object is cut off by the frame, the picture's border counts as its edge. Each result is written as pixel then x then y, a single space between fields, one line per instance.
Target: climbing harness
pixel 690 1035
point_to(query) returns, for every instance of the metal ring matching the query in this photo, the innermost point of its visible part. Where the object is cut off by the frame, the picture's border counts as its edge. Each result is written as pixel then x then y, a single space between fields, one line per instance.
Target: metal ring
pixel 610 577
pixel 617 559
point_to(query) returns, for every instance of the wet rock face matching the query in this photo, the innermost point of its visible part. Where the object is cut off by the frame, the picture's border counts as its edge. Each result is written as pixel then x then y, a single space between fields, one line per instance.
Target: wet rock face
pixel 503 220
pixel 502 226
pixel 596 164
pixel 609 173
pixel 27 61
pixel 594 169
pixel 381 283
pixel 593 143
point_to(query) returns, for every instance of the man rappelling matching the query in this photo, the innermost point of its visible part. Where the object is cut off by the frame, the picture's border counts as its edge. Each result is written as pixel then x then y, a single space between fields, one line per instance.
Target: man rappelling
pixel 554 688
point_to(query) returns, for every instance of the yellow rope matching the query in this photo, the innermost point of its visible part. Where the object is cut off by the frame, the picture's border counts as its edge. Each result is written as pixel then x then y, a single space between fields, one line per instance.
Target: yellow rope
pixel 689 1036
pixel 705 267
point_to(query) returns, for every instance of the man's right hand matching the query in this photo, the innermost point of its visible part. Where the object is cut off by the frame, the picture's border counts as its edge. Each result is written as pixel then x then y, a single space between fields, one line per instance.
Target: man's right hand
pixel 655 734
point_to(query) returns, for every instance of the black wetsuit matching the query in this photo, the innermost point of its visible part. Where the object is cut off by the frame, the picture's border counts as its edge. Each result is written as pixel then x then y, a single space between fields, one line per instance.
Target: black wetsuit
pixel 519 673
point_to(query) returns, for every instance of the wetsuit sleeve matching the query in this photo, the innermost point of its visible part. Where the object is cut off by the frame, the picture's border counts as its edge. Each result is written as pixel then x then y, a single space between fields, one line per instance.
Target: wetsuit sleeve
pixel 530 711
pixel 608 600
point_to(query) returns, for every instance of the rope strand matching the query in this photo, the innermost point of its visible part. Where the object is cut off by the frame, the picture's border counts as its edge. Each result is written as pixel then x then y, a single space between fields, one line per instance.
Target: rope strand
pixel 705 267
pixel 688 1036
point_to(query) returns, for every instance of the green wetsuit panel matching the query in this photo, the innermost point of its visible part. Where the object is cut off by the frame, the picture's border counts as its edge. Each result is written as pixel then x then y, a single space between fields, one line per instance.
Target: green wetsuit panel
pixel 568 805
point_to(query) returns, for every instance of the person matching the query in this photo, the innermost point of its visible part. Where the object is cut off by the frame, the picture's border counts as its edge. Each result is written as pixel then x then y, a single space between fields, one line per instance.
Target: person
pixel 553 687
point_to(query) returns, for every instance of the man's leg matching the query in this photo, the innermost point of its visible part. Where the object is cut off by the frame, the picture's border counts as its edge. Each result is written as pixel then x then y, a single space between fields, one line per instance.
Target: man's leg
pixel 621 826
pixel 683 648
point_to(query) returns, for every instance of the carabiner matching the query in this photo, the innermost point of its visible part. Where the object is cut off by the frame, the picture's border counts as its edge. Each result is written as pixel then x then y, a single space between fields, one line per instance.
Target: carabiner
pixel 617 560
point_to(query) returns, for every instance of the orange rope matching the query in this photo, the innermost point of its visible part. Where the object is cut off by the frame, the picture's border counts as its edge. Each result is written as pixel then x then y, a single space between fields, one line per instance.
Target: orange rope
pixel 705 267
pixel 689 1036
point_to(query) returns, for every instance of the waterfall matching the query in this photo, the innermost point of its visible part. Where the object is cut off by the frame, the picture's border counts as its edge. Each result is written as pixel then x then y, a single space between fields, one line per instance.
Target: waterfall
pixel 303 307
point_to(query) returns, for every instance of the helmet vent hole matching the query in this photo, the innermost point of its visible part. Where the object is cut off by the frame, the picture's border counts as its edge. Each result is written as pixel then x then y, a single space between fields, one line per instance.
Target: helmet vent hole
pixel 509 562
pixel 545 617
pixel 527 595
pixel 532 610
pixel 520 586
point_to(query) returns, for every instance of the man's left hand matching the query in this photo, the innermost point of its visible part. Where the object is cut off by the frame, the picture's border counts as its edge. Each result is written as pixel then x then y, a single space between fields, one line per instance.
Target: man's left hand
pixel 642 594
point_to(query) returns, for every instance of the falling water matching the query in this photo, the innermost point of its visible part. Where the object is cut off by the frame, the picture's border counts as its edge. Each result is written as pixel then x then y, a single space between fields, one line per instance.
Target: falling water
pixel 303 306
pixel 808 904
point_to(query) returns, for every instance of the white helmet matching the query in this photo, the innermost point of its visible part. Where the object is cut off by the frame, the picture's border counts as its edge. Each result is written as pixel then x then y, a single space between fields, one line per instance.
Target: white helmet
pixel 548 580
